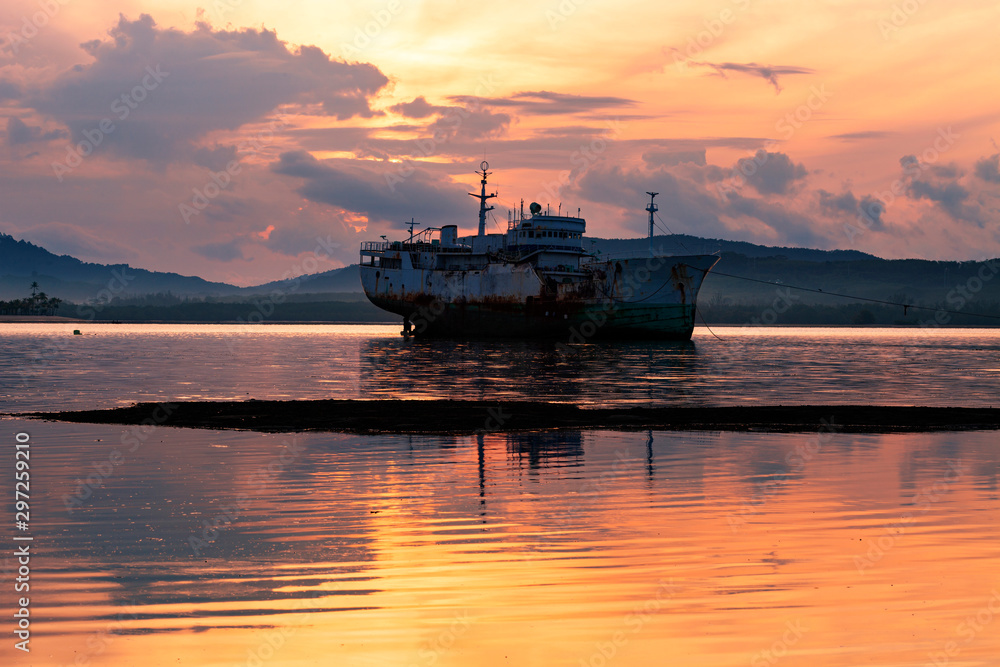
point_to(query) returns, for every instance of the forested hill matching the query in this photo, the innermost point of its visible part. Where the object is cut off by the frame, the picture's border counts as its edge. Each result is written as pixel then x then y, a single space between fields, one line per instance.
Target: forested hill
pixel 70 279
pixel 747 280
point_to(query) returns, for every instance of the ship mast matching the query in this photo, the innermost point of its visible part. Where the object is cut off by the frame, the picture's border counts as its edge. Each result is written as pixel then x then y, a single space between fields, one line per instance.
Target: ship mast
pixel 482 197
pixel 652 208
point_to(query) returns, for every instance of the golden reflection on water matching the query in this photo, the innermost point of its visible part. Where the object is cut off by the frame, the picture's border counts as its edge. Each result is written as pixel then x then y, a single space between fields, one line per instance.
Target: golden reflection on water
pixel 553 548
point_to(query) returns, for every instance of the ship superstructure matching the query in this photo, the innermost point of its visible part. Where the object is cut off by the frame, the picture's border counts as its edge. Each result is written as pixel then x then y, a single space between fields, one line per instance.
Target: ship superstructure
pixel 534 280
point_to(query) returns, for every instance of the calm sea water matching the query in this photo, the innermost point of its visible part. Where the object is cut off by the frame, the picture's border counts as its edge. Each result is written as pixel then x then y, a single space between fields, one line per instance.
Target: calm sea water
pixel 190 547
pixel 45 366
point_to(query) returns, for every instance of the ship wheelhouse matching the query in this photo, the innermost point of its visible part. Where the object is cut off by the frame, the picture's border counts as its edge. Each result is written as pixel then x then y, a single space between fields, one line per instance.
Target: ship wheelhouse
pixel 549 243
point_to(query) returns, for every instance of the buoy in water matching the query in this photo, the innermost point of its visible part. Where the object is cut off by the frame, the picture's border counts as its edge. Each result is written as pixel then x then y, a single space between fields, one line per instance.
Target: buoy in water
pixel 76 332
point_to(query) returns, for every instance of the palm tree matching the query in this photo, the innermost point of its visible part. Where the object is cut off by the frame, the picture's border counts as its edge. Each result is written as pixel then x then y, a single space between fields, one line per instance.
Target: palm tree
pixel 34 288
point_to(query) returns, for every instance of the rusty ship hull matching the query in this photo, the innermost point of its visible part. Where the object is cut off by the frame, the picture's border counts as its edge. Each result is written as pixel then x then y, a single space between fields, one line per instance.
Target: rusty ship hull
pixel 574 322
pixel 639 297
pixel 534 280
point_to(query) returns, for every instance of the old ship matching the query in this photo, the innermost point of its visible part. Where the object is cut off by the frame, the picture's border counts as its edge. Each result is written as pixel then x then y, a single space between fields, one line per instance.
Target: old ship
pixel 536 280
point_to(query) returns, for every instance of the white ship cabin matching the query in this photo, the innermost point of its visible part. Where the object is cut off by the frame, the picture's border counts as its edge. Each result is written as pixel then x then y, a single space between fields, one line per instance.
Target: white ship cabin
pixel 552 243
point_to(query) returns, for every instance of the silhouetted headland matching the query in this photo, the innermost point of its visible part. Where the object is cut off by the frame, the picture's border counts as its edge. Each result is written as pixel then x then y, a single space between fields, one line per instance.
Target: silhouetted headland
pixel 462 417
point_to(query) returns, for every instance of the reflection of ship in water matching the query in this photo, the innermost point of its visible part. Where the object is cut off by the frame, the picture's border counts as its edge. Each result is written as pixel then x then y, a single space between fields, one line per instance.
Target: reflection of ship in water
pixel 529 370
pixel 545 448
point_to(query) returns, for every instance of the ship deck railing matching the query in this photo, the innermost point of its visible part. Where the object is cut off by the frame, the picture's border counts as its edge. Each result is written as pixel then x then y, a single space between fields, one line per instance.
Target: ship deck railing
pixel 384 246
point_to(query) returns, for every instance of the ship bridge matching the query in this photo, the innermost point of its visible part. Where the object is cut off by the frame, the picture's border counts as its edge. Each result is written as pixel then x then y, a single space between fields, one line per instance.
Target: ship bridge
pixel 548 230
pixel 547 241
pixel 550 243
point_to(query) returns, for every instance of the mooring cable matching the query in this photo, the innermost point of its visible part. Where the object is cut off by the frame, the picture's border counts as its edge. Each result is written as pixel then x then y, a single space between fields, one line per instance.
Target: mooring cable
pixel 906 306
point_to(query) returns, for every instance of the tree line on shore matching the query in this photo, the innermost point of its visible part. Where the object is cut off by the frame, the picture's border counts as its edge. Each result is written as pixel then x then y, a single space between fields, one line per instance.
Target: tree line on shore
pixel 38 303
pixel 250 311
pixel 749 313
pixel 167 307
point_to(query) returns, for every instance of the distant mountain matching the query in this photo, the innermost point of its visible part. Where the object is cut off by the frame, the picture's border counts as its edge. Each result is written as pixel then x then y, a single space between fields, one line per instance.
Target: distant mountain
pixel 846 271
pixel 346 279
pixel 70 279
pixel 738 279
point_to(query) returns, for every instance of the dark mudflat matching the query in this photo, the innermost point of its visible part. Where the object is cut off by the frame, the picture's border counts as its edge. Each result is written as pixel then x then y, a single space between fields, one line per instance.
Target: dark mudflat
pixel 445 416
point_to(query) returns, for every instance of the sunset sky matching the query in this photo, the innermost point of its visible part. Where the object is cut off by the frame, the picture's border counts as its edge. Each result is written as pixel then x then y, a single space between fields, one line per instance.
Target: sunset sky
pixel 231 139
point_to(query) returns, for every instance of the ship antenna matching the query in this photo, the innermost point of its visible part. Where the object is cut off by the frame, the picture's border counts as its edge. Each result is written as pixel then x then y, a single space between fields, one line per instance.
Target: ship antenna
pixel 652 208
pixel 482 197
pixel 411 223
